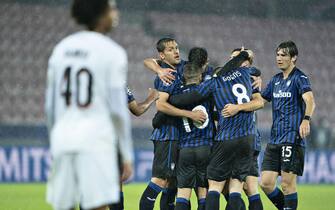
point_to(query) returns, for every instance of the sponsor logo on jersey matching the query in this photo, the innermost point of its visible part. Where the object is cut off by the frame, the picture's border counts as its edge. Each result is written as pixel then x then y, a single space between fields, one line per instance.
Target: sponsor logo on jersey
pixel 277 83
pixel 232 76
pixel 281 94
pixel 303 76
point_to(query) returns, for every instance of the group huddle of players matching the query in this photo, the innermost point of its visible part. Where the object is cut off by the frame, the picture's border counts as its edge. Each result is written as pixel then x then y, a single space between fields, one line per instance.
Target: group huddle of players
pixel 205 135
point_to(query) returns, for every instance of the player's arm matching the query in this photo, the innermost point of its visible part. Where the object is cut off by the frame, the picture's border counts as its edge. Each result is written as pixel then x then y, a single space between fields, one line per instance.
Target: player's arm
pixel 308 98
pixel 164 74
pixel 232 64
pixel 50 98
pixel 139 108
pixel 163 106
pixel 256 103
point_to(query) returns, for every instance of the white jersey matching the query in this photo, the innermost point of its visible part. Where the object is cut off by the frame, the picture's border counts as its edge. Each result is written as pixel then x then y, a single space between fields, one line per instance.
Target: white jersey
pixel 85 99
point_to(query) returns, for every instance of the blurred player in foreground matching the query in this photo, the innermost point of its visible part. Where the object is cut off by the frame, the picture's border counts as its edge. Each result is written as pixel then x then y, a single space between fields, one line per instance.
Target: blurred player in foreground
pixel 137 108
pixel 87 112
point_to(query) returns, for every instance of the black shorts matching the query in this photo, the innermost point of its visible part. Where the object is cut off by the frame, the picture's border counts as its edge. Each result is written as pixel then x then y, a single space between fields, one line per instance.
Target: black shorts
pixel 165 159
pixel 192 166
pixel 231 159
pixel 254 169
pixel 284 157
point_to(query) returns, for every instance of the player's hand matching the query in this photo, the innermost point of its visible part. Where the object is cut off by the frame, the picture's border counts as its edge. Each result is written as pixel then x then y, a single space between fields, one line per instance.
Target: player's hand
pixel 127 171
pixel 198 116
pixel 257 82
pixel 165 74
pixel 230 110
pixel 304 129
pixel 153 94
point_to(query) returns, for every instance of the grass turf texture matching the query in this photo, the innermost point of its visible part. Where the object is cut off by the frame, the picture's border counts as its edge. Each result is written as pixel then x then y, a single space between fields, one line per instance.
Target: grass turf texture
pixel 32 197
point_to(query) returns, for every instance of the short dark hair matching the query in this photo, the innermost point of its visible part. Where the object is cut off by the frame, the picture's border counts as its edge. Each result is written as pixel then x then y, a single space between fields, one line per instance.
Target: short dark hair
pixel 288 47
pixel 161 43
pixel 87 12
pixel 239 50
pixel 198 56
pixel 191 71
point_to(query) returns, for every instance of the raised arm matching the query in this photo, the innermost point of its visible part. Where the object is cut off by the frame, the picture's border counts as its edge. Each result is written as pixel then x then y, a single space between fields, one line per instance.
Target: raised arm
pixel 232 64
pixel 165 74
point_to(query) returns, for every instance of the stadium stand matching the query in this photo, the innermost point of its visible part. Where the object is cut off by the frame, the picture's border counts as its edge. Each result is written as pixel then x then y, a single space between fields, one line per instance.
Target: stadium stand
pixel 27 40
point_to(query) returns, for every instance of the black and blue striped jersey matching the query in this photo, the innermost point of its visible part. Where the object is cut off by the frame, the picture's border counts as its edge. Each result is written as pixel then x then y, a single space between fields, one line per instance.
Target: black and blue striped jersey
pixel 233 87
pixel 168 131
pixel 190 135
pixel 288 107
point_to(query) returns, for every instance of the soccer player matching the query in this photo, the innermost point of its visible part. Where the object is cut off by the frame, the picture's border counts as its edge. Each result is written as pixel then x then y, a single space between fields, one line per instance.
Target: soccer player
pixel 292 108
pixel 165 138
pixel 232 154
pixel 87 112
pixel 195 146
pixel 251 183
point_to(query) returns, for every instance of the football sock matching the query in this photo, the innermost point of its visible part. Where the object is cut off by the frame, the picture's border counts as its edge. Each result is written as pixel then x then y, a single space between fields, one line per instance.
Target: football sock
pixel 202 204
pixel 235 202
pixel 213 200
pixel 277 198
pixel 291 201
pixel 255 202
pixel 182 204
pixel 149 196
pixel 167 199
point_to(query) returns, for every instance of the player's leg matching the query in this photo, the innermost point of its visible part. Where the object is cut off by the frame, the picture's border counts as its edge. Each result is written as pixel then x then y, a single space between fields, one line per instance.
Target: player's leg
pixel 183 199
pixel 62 188
pixel 213 196
pixel 168 195
pixel 202 154
pixel 251 190
pixel 251 185
pixel 241 169
pixel 160 173
pixel 270 171
pixel 186 177
pixel 218 171
pixel 289 187
pixel 202 193
pixel 235 200
pixel 292 166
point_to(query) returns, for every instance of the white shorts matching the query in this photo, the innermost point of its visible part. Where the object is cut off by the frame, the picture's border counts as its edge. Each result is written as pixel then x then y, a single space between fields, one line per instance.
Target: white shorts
pixel 91 179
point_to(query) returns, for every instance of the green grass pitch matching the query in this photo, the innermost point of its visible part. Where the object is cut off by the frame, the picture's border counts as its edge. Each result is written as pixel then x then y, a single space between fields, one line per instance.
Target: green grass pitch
pixel 32 197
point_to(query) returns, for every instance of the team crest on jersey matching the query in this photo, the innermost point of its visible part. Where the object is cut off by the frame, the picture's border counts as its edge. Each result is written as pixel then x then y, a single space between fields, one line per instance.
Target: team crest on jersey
pixel 288 83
